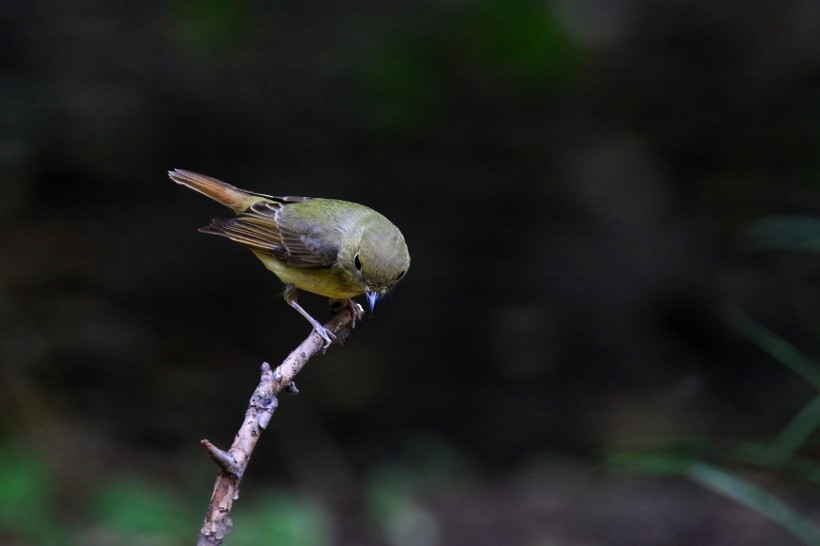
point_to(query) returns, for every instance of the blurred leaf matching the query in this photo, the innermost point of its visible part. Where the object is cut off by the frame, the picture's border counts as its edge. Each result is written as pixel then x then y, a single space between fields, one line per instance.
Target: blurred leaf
pixel 389 487
pixel 23 483
pixel 785 233
pixel 797 431
pixel 754 497
pixel 151 512
pixel 721 481
pixel 777 347
pixel 671 456
pixel 214 24
pixel 404 80
pixel 436 459
pixel 808 420
pixel 763 456
pixel 649 463
pixel 25 497
pixel 289 519
pixel 391 501
pixel 522 39
pixel 415 74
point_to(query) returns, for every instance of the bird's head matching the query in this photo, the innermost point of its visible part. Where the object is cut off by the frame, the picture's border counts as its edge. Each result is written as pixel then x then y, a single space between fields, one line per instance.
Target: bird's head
pixel 381 260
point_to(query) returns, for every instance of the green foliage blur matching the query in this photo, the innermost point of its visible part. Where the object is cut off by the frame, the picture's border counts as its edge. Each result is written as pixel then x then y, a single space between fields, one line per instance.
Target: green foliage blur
pixel 693 458
pixel 137 510
pixel 27 508
pixel 411 78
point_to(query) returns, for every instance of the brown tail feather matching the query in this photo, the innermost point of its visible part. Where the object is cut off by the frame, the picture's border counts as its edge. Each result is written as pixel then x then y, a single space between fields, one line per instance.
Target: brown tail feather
pixel 217 190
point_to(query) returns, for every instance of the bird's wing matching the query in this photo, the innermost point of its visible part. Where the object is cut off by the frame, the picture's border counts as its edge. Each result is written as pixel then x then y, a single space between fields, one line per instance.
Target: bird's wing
pixel 260 229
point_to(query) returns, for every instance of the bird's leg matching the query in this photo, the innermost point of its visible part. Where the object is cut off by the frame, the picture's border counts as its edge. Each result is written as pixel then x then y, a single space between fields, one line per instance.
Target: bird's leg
pixel 327 335
pixel 356 311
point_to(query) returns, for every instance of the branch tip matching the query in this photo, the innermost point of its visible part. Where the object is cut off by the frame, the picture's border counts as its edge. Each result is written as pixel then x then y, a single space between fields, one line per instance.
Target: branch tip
pixel 222 458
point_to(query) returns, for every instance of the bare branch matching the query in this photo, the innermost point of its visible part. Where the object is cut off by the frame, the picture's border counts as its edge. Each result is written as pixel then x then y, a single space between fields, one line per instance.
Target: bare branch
pixel 263 403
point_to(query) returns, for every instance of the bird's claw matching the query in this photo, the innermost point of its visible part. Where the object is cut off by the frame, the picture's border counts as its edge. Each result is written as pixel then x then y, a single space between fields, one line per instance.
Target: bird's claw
pixel 328 336
pixel 356 310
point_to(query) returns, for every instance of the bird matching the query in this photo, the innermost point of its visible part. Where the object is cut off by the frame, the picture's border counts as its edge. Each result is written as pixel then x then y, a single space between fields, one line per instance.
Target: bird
pixel 329 247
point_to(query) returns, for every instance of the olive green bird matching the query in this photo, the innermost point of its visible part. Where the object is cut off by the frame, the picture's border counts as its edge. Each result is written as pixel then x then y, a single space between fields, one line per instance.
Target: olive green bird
pixel 329 247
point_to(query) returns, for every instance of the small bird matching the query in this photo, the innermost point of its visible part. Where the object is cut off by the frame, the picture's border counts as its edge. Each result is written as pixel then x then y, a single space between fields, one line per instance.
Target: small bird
pixel 329 247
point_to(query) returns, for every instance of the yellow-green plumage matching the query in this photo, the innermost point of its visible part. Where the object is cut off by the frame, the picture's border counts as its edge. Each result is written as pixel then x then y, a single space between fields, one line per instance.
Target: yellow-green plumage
pixel 329 247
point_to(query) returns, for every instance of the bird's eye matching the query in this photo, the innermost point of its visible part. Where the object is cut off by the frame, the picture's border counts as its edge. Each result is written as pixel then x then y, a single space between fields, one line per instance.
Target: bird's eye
pixel 401 274
pixel 357 262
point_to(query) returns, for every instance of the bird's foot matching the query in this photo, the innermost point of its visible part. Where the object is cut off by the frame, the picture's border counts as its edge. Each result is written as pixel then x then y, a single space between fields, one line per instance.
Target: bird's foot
pixel 328 336
pixel 324 333
pixel 356 310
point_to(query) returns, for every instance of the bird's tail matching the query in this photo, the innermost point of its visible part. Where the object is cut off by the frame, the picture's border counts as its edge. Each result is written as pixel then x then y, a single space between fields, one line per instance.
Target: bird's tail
pixel 219 191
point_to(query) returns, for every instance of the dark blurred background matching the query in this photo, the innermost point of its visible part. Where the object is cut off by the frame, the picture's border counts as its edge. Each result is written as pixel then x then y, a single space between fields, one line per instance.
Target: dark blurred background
pixel 575 181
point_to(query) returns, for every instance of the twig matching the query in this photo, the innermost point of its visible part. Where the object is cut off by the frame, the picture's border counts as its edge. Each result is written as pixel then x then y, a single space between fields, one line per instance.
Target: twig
pixel 232 463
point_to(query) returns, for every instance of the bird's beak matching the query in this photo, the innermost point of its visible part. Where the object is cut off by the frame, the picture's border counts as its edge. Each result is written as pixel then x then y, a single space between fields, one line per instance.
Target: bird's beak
pixel 372 298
